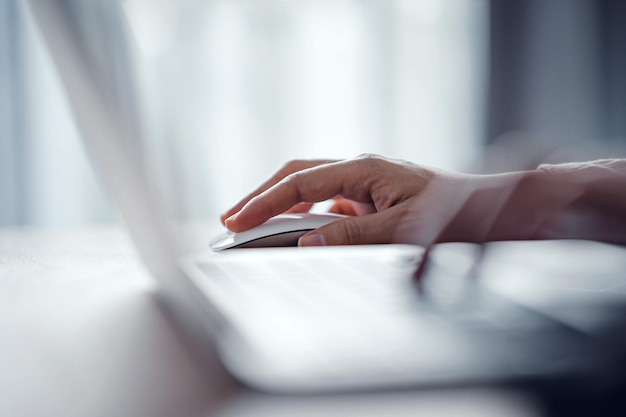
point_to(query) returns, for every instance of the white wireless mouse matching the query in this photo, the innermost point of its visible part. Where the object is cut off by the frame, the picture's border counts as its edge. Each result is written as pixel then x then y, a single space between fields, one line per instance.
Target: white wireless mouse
pixel 281 230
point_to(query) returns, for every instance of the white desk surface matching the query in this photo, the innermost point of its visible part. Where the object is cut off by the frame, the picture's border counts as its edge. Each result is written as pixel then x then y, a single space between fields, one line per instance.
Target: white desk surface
pixel 81 335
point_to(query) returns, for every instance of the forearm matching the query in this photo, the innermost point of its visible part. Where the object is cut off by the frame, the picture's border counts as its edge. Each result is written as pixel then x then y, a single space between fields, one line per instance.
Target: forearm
pixel 582 200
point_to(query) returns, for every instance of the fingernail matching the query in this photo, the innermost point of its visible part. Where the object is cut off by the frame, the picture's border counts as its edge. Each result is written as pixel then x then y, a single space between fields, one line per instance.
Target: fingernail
pixel 312 239
pixel 230 219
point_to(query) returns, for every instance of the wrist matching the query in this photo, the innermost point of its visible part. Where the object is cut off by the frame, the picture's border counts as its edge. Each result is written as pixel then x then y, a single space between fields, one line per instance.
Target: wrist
pixel 512 206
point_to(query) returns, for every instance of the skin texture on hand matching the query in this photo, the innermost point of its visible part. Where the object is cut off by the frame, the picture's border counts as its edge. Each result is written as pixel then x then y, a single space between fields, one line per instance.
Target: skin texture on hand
pixel 394 201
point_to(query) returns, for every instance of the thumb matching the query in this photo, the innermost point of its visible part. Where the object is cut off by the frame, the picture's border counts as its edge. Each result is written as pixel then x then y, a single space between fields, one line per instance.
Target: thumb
pixel 358 230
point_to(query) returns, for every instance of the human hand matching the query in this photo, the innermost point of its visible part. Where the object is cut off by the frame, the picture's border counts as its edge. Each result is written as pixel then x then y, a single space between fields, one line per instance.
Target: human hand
pixel 391 201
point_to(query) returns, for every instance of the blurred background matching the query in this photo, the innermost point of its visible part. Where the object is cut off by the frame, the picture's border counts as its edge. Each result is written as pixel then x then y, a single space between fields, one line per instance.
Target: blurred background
pixel 229 90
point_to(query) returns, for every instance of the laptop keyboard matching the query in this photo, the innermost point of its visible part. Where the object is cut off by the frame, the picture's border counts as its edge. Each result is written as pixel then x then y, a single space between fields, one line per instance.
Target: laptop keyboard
pixel 305 287
pixel 370 309
pixel 360 287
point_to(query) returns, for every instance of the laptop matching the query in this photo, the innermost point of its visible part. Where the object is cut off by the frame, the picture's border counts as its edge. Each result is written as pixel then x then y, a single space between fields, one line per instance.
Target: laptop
pixel 295 319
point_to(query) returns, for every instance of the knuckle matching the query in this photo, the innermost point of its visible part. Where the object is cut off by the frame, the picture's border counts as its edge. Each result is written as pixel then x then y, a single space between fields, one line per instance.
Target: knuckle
pixel 369 157
pixel 296 165
pixel 299 162
pixel 371 161
pixel 290 166
pixel 304 186
pixel 292 183
pixel 351 231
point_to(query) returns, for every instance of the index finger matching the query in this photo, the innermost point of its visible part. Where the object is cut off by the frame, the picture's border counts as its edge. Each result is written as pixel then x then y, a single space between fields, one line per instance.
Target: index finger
pixel 311 185
pixel 287 169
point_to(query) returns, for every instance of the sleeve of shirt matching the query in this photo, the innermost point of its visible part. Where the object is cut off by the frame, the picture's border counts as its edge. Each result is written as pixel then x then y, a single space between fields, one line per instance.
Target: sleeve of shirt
pixel 588 171
pixel 599 211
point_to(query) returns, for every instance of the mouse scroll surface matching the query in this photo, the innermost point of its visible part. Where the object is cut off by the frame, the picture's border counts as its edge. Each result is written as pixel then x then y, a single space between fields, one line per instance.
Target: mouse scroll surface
pixel 281 230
